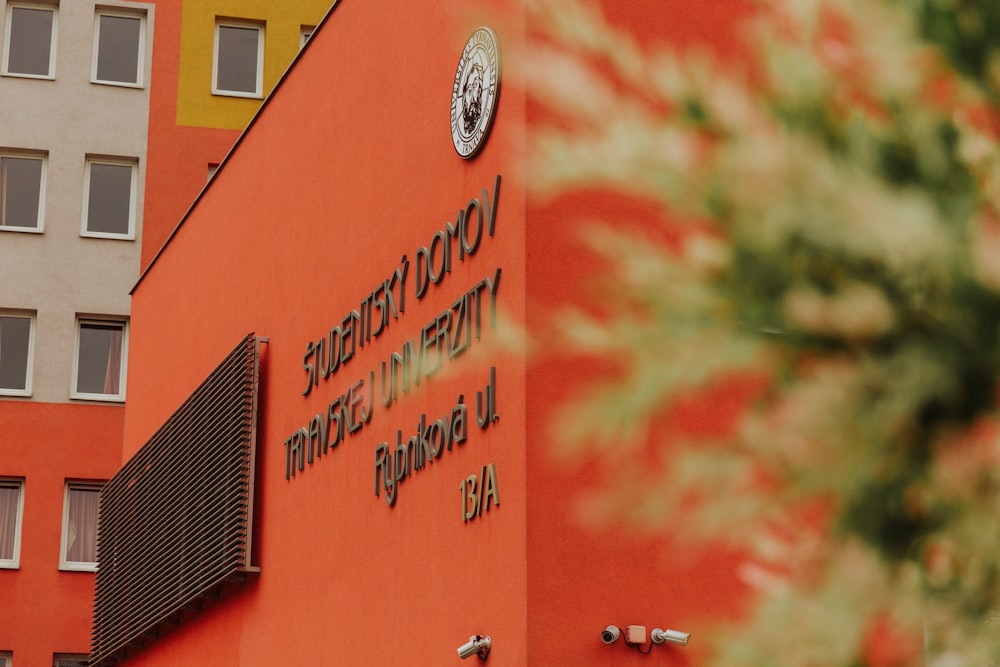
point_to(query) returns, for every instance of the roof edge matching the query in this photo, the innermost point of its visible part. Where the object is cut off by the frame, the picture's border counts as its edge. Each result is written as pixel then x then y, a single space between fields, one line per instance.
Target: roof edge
pixel 236 144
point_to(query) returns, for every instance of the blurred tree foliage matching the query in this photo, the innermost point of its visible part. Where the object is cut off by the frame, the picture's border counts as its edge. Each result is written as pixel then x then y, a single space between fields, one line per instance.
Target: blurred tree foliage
pixel 838 190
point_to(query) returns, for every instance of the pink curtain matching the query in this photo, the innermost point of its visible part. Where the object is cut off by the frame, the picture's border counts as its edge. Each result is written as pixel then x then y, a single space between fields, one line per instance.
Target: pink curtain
pixel 81 538
pixel 8 520
pixel 3 192
pixel 112 379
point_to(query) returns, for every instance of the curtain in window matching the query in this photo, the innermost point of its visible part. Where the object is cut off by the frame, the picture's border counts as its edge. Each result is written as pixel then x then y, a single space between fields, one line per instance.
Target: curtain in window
pixel 112 379
pixel 99 358
pixel 81 533
pixel 3 192
pixel 8 520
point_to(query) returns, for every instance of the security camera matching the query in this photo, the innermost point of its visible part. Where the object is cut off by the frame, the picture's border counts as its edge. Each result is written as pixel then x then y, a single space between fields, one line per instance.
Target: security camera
pixel 610 634
pixel 477 645
pixel 669 636
pixel 468 649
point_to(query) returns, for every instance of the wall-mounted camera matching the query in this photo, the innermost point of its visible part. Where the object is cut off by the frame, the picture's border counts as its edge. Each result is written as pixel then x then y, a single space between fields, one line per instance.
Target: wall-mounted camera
pixel 635 637
pixel 669 636
pixel 477 645
pixel 610 634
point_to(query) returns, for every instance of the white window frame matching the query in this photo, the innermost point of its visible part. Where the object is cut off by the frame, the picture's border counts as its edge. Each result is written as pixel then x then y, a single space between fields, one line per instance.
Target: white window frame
pixel 30 316
pixel 110 398
pixel 52 48
pixel 15 562
pixel 259 27
pixel 61 659
pixel 32 155
pixel 140 56
pixel 72 565
pixel 133 193
pixel 305 33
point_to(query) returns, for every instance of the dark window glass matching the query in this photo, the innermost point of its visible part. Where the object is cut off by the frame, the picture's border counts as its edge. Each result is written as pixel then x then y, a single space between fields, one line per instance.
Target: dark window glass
pixel 15 333
pixel 29 48
pixel 20 191
pixel 236 64
pixel 109 203
pixel 99 359
pixel 118 54
pixel 70 661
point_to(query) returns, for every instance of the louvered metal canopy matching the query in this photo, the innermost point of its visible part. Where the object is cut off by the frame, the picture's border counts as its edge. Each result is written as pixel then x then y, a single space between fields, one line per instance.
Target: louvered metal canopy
pixel 175 523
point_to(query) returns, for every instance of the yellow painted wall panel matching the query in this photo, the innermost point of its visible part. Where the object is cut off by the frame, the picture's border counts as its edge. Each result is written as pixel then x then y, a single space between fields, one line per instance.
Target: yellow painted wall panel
pixel 282 22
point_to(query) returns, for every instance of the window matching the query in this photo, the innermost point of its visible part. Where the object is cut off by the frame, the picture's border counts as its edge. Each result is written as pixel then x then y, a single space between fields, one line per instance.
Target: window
pixel 118 49
pixel 30 40
pixel 6 659
pixel 69 660
pixel 237 68
pixel 22 179
pixel 99 369
pixel 305 32
pixel 11 509
pixel 79 530
pixel 16 343
pixel 110 193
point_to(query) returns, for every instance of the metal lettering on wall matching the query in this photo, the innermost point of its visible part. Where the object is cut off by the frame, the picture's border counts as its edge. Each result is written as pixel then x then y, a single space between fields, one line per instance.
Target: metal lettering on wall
pixel 393 464
pixel 441 340
pixel 331 352
pixel 479 493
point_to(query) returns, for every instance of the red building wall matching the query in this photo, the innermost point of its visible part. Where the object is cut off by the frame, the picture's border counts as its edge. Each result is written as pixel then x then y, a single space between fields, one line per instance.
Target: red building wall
pixel 365 155
pixel 178 155
pixel 347 169
pixel 583 574
pixel 47 444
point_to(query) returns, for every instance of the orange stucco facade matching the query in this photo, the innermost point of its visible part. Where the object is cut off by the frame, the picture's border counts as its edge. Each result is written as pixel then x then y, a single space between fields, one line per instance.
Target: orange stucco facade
pixel 46 608
pixel 49 436
pixel 189 127
pixel 341 188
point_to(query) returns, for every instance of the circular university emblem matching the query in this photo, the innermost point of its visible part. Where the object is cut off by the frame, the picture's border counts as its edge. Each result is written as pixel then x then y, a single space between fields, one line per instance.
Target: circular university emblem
pixel 474 95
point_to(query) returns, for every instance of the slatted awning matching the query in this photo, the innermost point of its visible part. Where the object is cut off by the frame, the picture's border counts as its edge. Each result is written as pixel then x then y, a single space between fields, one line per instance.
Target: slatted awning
pixel 175 523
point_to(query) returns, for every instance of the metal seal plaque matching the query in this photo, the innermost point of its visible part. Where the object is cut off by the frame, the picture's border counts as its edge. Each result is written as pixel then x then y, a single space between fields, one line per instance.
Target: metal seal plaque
pixel 474 95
